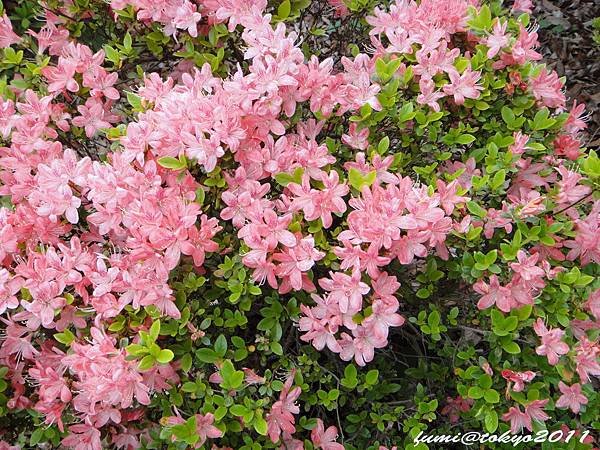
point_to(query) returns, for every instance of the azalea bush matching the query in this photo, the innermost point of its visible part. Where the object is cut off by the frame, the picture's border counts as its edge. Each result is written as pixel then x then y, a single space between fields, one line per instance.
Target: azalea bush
pixel 248 224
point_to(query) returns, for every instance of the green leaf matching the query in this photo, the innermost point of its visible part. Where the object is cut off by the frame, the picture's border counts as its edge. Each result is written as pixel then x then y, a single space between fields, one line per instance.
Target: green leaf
pixel 350 377
pixel 481 21
pixel 381 68
pixel 189 386
pixel 36 436
pixel 220 412
pixel 541 120
pixel 384 145
pixel 165 356
pixel 507 115
pixel 491 421
pixel 350 371
pixel 112 55
pixel 434 319
pixel 475 392
pixel 285 178
pixel 465 139
pixel 135 101
pixel 260 425
pixel 372 376
pixel 512 348
pixel 238 410
pixel 276 348
pixel 475 209
pixel 499 178
pixel 154 331
pixel 485 381
pixel 168 162
pixel 66 337
pixel 200 196
pixel 236 379
pixel 127 41
pixel 406 113
pixel 186 362
pixel 491 396
pixel 207 355
pixel 147 362
pixel 232 379
pixel 136 349
pixel 358 180
pixel 510 323
pixel 284 9
pixel 220 345
pixel 591 165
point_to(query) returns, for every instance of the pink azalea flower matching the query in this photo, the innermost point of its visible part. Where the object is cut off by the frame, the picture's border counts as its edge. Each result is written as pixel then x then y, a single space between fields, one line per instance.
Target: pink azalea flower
pixel 463 86
pixel 330 199
pixel 45 302
pixel 535 410
pixel 325 439
pixel 575 122
pixel 570 191
pixel 593 304
pixel 205 428
pixel 186 18
pixel 356 139
pixel 320 326
pixel 346 290
pixel 429 95
pixel 547 89
pixel 50 37
pixel 530 203
pixel 498 39
pixel 271 228
pixel 93 117
pixel 586 245
pixel 526 266
pixel 518 419
pixel 571 397
pixel 568 146
pixel 522 51
pixel 341 10
pixel 383 317
pixel 586 359
pixel 448 195
pixel 7 36
pixel 552 345
pixel 281 417
pixel 296 260
pixel 102 83
pixel 435 61
pixel 494 294
pixel 361 346
pixel 518 378
pixel 9 286
pixel 61 76
pixel 455 406
pixel 522 6
pixel 520 144
pixel 83 437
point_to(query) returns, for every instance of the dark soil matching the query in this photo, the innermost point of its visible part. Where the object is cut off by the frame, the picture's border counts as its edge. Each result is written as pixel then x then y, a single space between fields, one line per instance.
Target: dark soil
pixel 565 35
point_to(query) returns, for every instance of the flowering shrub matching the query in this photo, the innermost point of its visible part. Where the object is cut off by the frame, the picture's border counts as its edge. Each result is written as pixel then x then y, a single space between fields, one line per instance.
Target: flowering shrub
pixel 290 224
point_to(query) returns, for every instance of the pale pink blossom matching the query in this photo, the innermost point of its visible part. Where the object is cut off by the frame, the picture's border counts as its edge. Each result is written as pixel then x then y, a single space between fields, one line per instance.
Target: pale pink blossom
pixel 498 39
pixel 571 397
pixel 463 86
pixel 325 439
pixel 552 345
pixel 547 89
pixel 7 35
